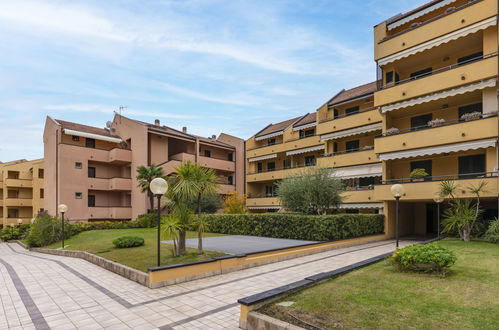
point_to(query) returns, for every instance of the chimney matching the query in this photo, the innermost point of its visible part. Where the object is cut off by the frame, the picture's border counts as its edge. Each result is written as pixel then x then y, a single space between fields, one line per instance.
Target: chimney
pixel 157 122
pixel 213 137
pixel 184 129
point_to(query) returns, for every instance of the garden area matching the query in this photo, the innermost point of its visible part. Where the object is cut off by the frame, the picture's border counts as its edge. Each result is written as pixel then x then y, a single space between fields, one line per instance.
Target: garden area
pixel 381 296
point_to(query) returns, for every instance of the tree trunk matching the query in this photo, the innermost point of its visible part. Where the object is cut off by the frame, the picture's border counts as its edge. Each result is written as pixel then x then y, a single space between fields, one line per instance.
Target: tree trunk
pixel 181 241
pixel 200 234
pixel 466 235
pixel 174 248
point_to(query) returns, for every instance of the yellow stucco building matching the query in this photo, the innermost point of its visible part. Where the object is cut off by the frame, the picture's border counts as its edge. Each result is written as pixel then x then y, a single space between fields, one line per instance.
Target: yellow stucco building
pixel 433 107
pixel 21 191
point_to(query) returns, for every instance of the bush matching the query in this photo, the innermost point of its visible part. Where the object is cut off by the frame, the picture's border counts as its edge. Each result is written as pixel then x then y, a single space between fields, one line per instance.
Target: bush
pixel 147 220
pixel 46 230
pixel 492 234
pixel 235 204
pixel 12 233
pixel 296 226
pixel 128 242
pixel 430 258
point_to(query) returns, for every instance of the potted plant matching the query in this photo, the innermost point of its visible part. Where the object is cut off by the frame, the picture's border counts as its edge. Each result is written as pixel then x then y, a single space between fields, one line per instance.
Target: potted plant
pixel 418 174
pixel 471 116
pixel 436 122
pixel 392 131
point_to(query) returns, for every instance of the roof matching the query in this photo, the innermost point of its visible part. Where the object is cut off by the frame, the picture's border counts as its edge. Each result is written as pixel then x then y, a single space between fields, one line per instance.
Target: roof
pixel 400 16
pixel 307 119
pixel 272 128
pixel 84 128
pixel 353 93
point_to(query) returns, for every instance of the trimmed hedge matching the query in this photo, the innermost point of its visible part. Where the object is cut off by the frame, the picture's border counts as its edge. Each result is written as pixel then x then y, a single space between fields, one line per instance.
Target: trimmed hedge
pixel 428 258
pixel 128 242
pixel 297 226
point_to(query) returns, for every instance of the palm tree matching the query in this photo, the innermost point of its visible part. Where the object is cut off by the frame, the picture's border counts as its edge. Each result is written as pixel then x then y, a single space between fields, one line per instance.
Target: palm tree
pixel 207 182
pixel 145 174
pixel 170 227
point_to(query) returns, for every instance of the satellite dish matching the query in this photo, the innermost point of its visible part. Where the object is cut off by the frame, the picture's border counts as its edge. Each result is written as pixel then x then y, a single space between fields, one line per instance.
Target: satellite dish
pixel 108 124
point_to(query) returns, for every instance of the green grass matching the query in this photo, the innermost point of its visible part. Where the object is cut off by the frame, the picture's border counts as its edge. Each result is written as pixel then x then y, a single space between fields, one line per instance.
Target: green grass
pixel 99 242
pixel 378 297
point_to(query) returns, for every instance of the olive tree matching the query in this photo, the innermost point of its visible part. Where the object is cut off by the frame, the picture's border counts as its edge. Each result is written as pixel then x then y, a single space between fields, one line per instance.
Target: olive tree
pixel 314 191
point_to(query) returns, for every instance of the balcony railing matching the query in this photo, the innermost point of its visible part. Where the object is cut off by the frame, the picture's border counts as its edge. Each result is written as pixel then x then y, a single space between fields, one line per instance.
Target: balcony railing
pixel 76 145
pixel 267 145
pixel 346 114
pixel 262 195
pixel 460 176
pixel 283 168
pixel 436 125
pixel 443 69
pixel 360 188
pixel 348 151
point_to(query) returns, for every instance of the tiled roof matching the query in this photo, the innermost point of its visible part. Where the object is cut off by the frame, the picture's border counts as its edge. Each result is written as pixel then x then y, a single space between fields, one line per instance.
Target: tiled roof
pixel 399 17
pixel 307 119
pixel 353 93
pixel 272 128
pixel 84 128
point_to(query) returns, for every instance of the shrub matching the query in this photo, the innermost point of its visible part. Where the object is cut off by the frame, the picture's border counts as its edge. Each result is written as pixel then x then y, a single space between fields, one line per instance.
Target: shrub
pixel 128 242
pixel 12 233
pixel 492 234
pixel 235 204
pixel 147 220
pixel 430 258
pixel 46 230
pixel 297 226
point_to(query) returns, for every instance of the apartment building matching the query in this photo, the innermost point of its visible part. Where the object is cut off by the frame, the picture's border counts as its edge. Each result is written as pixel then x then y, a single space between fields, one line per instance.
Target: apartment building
pixel 21 191
pixel 93 170
pixel 437 95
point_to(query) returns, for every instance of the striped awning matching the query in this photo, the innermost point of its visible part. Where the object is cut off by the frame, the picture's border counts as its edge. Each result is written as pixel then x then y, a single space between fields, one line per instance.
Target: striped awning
pixel 264 207
pixel 350 132
pixel 92 136
pixel 361 206
pixel 266 136
pixel 417 14
pixel 359 171
pixel 305 150
pixel 440 95
pixel 256 159
pixel 439 41
pixel 455 147
pixel 309 125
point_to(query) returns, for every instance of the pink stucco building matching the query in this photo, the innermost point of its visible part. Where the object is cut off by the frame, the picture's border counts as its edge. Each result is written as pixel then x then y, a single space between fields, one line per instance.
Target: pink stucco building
pixel 92 170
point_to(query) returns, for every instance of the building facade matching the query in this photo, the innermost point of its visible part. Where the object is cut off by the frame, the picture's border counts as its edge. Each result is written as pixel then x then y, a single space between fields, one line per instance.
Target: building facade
pixel 21 191
pixel 433 108
pixel 93 170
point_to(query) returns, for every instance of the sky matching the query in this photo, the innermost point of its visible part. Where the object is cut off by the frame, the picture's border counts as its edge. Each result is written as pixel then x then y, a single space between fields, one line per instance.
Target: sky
pixel 214 66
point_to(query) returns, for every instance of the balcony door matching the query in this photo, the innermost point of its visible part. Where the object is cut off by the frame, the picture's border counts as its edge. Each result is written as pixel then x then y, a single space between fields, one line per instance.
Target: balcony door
pixel 91 200
pixel 89 143
pixel 420 122
pixel 352 146
pixel 424 164
pixel 471 166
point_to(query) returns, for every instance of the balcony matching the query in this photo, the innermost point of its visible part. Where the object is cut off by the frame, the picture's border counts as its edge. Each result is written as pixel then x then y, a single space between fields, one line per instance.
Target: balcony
pixel 360 195
pixel 461 17
pixel 262 201
pixel 366 117
pixel 217 163
pixel 226 189
pixel 120 156
pixel 276 174
pixel 111 184
pixel 310 141
pixel 19 183
pixel 18 202
pixel 429 186
pixel 361 156
pixel 115 156
pixel 438 80
pixel 176 161
pixel 109 212
pixel 451 132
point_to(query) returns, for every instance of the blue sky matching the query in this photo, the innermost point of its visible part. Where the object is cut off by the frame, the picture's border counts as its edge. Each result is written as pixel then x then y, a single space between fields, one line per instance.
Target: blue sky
pixel 212 65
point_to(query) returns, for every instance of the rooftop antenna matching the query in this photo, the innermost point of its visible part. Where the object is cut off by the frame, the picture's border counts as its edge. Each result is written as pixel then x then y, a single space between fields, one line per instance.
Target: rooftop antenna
pixel 120 109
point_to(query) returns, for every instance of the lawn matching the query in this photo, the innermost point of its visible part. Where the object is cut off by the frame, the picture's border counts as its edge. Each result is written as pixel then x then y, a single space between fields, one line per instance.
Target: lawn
pixel 378 297
pixel 99 242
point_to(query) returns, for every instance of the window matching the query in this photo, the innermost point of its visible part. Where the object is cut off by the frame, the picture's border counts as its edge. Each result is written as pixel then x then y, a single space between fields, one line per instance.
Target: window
pixel 40 173
pixel 75 138
pixel 471 166
pixel 259 167
pixel 230 180
pixel 365 182
pixel 478 107
pixel 335 146
pixel 470 58
pixel 91 172
pixel 78 195
pixel 271 166
pixel 352 211
pixel 389 77
pixel 270 191
pixel 309 160
pixel 89 143
pixel 306 133
pixel 425 164
pixel 420 122
pixel 352 111
pixel 271 142
pixel 230 157
pixel 12 213
pixel 42 193
pixel 286 163
pixel 352 146
pixel 91 200
pixel 207 153
pixel 335 113
pixel 78 165
pixel 421 73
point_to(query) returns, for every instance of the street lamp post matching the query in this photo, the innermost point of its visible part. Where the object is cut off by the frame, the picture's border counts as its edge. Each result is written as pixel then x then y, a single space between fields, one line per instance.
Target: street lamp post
pixel 158 187
pixel 63 208
pixel 397 192
pixel 438 199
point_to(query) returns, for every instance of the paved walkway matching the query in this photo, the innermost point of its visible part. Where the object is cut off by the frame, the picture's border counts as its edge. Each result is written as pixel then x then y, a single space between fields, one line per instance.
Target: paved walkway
pixel 40 291
pixel 239 244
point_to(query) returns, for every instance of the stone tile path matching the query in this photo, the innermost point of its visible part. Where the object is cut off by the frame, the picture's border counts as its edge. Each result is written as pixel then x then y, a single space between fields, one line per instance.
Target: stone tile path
pixel 40 291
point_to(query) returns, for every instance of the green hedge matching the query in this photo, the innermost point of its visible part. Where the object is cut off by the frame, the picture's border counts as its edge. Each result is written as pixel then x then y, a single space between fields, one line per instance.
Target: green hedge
pixel 296 226
pixel 128 242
